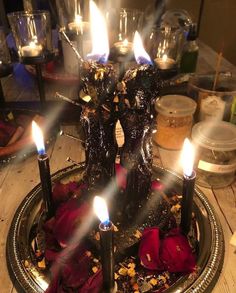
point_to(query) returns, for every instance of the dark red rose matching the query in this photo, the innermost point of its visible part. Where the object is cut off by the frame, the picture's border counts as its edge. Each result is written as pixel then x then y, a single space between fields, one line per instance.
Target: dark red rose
pixel 68 217
pixel 93 284
pixel 176 253
pixel 172 253
pixel 149 249
pixel 62 192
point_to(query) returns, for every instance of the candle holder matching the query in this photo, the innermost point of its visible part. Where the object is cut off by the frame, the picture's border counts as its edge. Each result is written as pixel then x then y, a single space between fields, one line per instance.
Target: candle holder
pixel 73 20
pixel 5 63
pixel 33 37
pixel 122 26
pixel 164 45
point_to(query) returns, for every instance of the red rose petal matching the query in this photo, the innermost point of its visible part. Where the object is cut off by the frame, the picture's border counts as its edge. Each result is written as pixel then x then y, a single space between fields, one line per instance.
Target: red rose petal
pixel 157 185
pixel 121 174
pixel 62 192
pixel 67 218
pixel 176 253
pixel 93 284
pixel 149 249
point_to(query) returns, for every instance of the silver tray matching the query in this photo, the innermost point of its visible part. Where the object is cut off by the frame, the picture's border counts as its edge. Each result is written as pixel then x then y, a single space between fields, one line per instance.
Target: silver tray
pixel 23 269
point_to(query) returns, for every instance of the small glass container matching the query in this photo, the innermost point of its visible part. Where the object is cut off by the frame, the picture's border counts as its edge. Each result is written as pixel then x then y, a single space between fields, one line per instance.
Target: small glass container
pixel 174 120
pixel 32 34
pixel 214 104
pixel 216 153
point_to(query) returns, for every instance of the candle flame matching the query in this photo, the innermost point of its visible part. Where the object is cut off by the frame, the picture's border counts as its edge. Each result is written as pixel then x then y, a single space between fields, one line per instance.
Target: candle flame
pixel 78 19
pixel 141 56
pixel 164 58
pixel 38 138
pixel 100 43
pixel 187 158
pixel 100 209
pixel 125 42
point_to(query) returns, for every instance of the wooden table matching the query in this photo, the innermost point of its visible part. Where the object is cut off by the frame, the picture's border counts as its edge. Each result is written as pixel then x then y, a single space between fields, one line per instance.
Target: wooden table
pixel 18 178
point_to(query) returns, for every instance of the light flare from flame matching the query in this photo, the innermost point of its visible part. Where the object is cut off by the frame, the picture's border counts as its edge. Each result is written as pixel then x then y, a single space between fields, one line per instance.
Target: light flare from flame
pixel 141 56
pixel 187 158
pixel 99 35
pixel 100 209
pixel 38 138
pixel 164 58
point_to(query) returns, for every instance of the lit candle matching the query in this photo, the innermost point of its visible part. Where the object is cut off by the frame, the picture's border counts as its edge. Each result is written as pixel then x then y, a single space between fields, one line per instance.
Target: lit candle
pixel 165 62
pixel 32 50
pixel 99 35
pixel 78 25
pixel 189 176
pixel 141 56
pixel 106 240
pixel 123 47
pixel 44 169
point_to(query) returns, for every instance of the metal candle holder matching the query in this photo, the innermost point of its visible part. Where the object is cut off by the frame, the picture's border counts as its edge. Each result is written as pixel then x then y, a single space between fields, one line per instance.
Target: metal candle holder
pixel 5 63
pixel 33 38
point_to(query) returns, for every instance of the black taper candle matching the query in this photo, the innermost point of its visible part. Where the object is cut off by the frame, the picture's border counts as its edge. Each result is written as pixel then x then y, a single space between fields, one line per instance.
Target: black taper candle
pixel 187 202
pixel 107 256
pixel 44 170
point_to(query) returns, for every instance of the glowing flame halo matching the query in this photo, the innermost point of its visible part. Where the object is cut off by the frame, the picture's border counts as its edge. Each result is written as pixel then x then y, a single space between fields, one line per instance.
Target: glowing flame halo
pixel 187 158
pixel 100 209
pixel 99 35
pixel 141 56
pixel 38 138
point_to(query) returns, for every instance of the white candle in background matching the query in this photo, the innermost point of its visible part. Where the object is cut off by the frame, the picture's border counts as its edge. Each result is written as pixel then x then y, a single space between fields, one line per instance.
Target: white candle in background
pixel 31 50
pixel 124 46
pixel 165 62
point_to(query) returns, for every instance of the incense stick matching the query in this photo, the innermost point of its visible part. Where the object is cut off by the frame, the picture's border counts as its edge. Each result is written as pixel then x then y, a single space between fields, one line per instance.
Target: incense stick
pixel 220 55
pixel 62 32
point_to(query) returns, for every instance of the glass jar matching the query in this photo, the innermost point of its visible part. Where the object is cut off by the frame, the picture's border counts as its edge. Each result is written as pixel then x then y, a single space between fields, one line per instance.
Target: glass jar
pixel 216 153
pixel 32 33
pixel 174 120
pixel 215 101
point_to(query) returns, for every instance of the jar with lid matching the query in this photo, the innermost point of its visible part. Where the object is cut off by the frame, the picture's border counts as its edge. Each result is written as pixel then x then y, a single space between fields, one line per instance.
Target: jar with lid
pixel 174 120
pixel 216 153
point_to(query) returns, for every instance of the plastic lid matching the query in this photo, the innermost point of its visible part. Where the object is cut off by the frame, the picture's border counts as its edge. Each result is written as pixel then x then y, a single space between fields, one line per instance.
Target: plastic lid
pixel 175 105
pixel 215 135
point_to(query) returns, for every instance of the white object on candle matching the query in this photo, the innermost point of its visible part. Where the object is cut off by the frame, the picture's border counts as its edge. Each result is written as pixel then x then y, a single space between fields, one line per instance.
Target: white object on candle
pixel 38 138
pixel 100 209
pixel 165 62
pixel 187 158
pixel 123 46
pixel 32 50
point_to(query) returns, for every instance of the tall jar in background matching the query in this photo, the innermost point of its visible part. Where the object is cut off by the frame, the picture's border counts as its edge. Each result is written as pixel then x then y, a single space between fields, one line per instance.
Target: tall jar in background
pixel 174 121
